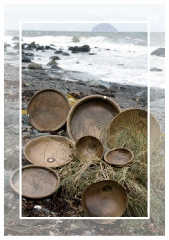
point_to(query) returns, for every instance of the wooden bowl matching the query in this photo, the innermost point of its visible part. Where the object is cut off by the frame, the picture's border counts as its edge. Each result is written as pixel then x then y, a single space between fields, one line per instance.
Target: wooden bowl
pixel 37 181
pixel 131 127
pixel 119 156
pixel 49 151
pixel 88 147
pixel 91 116
pixel 104 199
pixel 48 110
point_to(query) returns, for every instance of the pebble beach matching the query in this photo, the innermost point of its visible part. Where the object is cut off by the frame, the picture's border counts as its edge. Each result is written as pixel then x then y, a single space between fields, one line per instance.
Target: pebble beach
pixel 69 83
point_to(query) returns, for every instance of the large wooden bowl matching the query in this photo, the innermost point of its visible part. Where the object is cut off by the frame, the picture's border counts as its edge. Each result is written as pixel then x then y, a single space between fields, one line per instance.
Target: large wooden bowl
pixel 49 151
pixel 91 116
pixel 130 128
pixel 48 110
pixel 88 147
pixel 37 181
pixel 119 157
pixel 104 199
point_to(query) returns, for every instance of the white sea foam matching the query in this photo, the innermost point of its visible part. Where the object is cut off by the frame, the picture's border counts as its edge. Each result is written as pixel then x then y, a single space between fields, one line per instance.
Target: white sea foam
pixel 121 58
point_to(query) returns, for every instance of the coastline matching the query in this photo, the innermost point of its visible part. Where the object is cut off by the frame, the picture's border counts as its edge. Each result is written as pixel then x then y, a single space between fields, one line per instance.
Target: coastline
pixel 127 96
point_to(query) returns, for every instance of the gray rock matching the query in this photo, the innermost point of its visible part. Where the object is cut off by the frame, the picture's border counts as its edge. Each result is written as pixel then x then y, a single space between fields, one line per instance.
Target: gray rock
pixel 25 59
pixel 65 54
pixel 32 44
pixel 40 48
pixel 158 105
pixel 52 62
pixel 54 58
pixel 159 52
pixel 29 54
pixel 155 69
pixel 99 83
pixel 34 66
pixel 58 52
pixel 54 66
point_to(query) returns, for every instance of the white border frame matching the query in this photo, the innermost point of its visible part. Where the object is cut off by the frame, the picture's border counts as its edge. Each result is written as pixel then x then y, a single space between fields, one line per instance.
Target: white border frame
pixel 20 118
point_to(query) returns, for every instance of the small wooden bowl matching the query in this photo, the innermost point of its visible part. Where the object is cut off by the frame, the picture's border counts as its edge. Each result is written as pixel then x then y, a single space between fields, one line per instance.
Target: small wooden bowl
pixel 119 156
pixel 88 147
pixel 48 110
pixel 104 199
pixel 37 181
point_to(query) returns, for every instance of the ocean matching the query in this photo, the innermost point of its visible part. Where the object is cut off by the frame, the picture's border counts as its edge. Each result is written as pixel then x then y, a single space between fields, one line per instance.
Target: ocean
pixel 114 57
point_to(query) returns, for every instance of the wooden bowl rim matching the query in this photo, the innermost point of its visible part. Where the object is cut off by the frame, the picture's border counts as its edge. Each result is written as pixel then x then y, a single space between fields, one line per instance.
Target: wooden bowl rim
pixel 55 173
pixel 115 149
pixel 81 101
pixel 43 137
pixel 90 136
pixel 45 90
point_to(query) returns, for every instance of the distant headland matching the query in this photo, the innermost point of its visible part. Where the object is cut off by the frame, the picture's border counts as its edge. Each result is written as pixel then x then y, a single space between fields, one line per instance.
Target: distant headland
pixel 104 27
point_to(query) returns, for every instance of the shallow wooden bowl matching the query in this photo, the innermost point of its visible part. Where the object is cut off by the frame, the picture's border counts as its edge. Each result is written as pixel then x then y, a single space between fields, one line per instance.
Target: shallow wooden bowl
pixel 91 116
pixel 119 156
pixel 37 181
pixel 48 110
pixel 132 125
pixel 88 147
pixel 49 151
pixel 104 199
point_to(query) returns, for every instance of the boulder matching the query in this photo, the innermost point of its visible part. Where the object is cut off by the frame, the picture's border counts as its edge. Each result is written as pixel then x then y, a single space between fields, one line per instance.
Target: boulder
pixel 38 47
pixel 58 52
pixel 65 54
pixel 25 59
pixel 54 66
pixel 76 49
pixel 29 54
pixel 49 48
pixel 84 48
pixel 160 52
pixel 24 45
pixel 52 62
pixel 99 83
pixel 54 58
pixel 155 69
pixel 34 66
pixel 32 45
pixel 28 48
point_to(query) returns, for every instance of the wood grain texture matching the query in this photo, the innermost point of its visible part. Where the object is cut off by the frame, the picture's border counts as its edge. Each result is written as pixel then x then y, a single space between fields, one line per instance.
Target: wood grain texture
pixel 91 116
pixel 88 147
pixel 49 151
pixel 37 182
pixel 133 123
pixel 104 199
pixel 48 110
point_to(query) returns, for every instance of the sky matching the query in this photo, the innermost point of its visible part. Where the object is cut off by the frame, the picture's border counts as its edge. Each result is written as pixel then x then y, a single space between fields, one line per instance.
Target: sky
pixel 153 13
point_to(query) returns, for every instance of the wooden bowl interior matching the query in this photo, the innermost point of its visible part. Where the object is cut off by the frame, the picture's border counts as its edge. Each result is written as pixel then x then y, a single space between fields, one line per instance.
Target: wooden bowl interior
pixel 104 199
pixel 119 156
pixel 88 147
pixel 48 110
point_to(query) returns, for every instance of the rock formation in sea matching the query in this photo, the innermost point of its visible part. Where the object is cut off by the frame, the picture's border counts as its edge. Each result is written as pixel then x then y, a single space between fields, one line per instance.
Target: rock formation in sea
pixel 104 27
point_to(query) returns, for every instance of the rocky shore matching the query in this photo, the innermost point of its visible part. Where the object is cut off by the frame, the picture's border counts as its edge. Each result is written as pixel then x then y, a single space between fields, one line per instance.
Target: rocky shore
pixel 68 82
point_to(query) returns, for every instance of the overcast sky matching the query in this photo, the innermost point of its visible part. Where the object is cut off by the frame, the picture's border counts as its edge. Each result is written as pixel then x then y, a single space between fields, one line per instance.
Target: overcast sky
pixel 13 14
